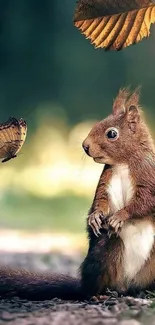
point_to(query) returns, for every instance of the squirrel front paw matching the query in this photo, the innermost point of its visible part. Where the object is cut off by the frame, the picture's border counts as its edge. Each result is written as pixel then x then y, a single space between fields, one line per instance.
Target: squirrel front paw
pixel 116 225
pixel 116 221
pixel 95 221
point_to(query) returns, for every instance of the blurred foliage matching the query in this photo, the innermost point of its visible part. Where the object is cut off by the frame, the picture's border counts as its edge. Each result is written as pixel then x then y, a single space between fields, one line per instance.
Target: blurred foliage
pixel 55 79
pixel 44 59
pixel 60 214
pixel 50 185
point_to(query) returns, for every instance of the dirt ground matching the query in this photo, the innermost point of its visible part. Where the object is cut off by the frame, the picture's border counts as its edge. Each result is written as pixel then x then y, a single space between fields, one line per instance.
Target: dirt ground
pixel 112 311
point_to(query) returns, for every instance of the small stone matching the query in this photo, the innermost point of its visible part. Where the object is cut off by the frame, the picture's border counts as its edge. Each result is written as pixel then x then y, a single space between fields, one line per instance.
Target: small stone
pixel 6 316
pixel 129 322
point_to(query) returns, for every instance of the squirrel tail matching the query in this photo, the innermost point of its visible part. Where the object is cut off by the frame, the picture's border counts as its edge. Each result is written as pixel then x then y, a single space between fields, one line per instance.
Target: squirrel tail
pixel 35 286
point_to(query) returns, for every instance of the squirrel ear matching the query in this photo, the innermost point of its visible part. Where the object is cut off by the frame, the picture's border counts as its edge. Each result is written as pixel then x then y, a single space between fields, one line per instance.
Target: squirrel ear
pixel 133 117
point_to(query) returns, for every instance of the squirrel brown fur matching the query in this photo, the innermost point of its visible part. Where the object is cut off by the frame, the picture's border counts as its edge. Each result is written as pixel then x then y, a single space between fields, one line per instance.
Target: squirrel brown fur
pixel 121 221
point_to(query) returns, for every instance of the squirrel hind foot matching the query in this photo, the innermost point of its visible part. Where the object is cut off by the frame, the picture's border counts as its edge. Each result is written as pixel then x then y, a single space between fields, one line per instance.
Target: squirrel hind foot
pixel 99 298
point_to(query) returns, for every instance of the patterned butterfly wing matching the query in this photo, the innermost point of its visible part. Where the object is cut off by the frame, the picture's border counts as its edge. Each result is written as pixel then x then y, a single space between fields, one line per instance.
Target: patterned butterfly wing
pixel 23 133
pixel 11 138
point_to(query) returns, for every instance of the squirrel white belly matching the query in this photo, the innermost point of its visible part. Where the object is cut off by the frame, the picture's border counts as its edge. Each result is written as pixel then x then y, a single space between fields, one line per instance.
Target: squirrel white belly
pixel 120 188
pixel 138 237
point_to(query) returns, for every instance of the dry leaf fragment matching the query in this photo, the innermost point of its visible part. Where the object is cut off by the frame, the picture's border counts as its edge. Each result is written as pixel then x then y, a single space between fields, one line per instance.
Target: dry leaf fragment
pixel 114 24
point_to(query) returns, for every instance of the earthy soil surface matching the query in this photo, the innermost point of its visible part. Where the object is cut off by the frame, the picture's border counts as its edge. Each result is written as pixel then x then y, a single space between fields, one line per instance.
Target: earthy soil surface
pixel 112 311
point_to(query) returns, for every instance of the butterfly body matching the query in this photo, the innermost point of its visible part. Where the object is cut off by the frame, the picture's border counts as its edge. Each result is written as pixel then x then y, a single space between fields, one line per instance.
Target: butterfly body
pixel 12 137
pixel 8 158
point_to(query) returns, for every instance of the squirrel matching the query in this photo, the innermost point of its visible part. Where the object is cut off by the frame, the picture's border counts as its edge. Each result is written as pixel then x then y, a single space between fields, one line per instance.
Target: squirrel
pixel 121 220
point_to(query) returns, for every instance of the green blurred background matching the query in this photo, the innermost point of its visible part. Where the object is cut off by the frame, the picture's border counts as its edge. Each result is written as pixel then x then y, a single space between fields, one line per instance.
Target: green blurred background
pixel 52 77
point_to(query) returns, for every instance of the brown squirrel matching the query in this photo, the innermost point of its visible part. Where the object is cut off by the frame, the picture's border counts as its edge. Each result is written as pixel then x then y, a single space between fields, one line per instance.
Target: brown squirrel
pixel 124 202
pixel 121 221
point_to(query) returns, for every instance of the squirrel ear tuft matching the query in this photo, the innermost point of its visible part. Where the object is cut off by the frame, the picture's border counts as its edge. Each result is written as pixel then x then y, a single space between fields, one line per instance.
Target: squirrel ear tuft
pixel 133 117
pixel 119 105
pixel 119 110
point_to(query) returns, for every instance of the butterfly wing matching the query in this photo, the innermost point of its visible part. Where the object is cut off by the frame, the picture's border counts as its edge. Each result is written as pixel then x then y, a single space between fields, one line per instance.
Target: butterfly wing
pixel 23 133
pixel 7 145
pixel 3 149
pixel 12 137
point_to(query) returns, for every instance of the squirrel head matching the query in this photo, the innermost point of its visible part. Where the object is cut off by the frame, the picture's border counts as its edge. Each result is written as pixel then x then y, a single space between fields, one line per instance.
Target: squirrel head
pixel 122 134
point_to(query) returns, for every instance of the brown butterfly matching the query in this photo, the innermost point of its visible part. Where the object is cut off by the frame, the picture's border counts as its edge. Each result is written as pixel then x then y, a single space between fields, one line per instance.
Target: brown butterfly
pixel 12 137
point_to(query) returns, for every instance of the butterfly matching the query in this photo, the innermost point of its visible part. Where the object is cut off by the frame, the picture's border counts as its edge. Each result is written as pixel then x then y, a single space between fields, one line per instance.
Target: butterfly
pixel 12 137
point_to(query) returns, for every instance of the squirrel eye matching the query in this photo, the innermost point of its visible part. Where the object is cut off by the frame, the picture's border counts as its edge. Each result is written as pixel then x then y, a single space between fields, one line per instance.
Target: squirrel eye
pixel 112 134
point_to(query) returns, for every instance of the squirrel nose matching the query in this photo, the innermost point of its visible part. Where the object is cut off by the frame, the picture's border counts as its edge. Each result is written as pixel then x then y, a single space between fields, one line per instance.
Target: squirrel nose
pixel 86 148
